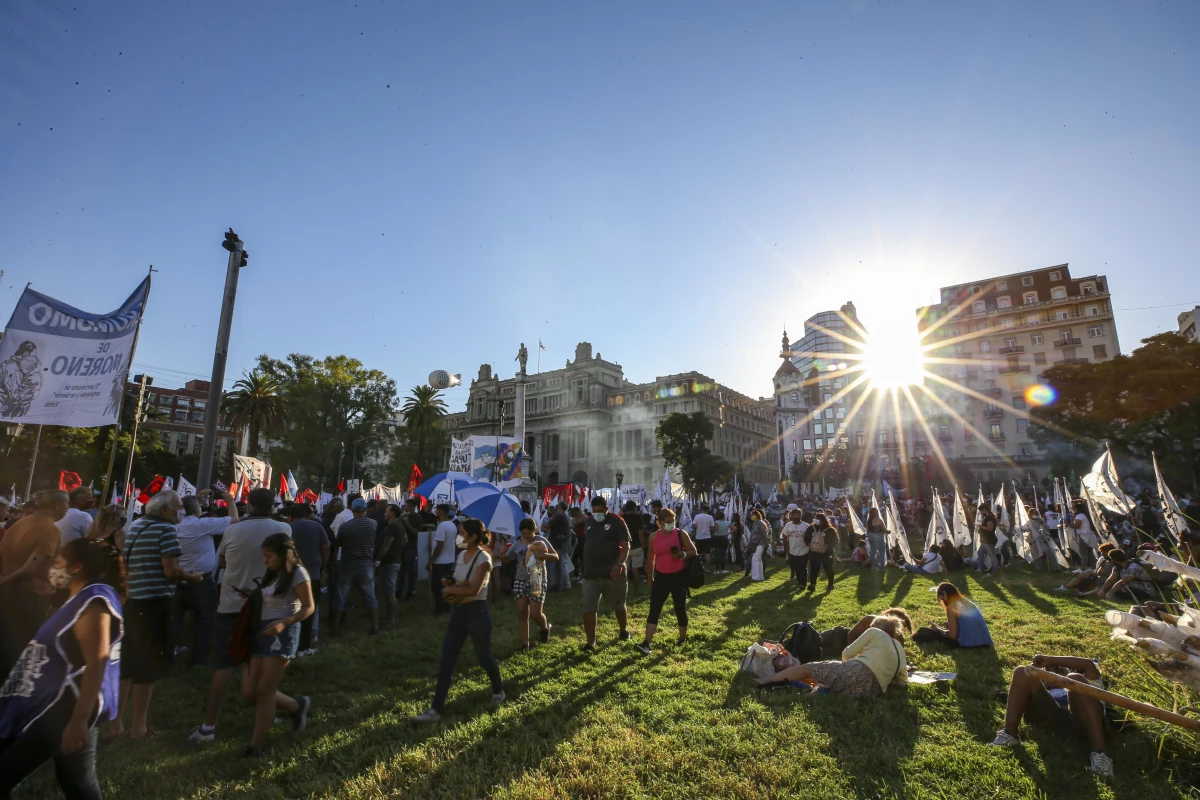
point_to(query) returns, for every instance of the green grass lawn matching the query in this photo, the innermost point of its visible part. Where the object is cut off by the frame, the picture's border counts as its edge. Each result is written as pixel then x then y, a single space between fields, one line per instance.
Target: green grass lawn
pixel 679 724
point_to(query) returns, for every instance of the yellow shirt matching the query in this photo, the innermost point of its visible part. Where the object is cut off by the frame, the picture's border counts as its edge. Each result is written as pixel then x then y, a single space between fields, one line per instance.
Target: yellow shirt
pixel 883 654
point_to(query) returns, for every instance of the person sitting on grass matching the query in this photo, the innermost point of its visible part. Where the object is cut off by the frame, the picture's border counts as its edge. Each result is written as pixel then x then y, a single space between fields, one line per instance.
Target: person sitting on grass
pixel 858 556
pixel 965 626
pixel 1086 580
pixel 869 665
pixel 1127 579
pixel 928 564
pixel 952 559
pixel 1029 699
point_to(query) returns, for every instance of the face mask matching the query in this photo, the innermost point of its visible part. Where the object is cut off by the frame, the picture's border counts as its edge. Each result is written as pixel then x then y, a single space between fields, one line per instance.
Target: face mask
pixel 599 516
pixel 58 577
pixel 668 526
pixel 179 515
pixel 460 542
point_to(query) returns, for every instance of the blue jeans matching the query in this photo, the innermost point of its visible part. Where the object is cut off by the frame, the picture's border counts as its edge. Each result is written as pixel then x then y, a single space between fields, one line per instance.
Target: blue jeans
pixel 406 586
pixel 385 587
pixel 879 550
pixel 201 599
pixel 471 620
pixel 350 576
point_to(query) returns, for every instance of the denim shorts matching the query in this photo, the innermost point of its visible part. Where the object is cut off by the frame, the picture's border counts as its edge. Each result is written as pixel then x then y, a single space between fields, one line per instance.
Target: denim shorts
pixel 284 645
pixel 223 625
pixel 350 576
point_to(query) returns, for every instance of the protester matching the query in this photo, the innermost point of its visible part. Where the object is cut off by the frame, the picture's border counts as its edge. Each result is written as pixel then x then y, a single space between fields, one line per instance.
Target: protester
pixel 759 540
pixel 929 564
pixel 469 618
pixel 529 553
pixel 668 550
pixel 858 555
pixel 952 558
pixel 389 560
pixel 287 600
pixel 1127 579
pixel 559 534
pixel 965 626
pixel 795 541
pixel 356 566
pixel 109 526
pixel 152 559
pixel 1085 581
pixel 240 556
pixel 637 541
pixel 28 551
pixel 406 584
pixel 76 523
pixel 1029 699
pixel 69 674
pixel 870 664
pixel 837 638
pixel 441 556
pixel 737 534
pixel 199 554
pixel 987 540
pixel 312 545
pixel 821 538
pixel 702 528
pixel 606 547
pixel 877 533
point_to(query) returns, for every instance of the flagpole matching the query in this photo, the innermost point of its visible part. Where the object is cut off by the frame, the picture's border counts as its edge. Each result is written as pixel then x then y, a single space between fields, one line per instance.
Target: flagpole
pixel 37 441
pixel 112 454
pixel 136 418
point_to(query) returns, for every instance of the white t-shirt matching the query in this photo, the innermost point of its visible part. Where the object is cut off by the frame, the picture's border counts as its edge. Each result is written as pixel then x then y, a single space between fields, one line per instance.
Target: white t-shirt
pixel 284 605
pixel 344 516
pixel 74 525
pixel 195 537
pixel 794 534
pixel 466 567
pixel 1085 527
pixel 446 533
pixel 242 548
pixel 1052 520
pixel 933 562
pixel 702 525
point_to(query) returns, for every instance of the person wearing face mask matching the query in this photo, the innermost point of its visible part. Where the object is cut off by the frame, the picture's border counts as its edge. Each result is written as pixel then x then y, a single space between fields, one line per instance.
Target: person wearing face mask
pixel 466 591
pixel 152 559
pixel 529 553
pixel 669 548
pixel 70 675
pixel 441 556
pixel 606 547
pixel 27 552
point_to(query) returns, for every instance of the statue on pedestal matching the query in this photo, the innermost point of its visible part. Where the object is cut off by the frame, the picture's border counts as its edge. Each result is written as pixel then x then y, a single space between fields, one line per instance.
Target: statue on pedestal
pixel 523 357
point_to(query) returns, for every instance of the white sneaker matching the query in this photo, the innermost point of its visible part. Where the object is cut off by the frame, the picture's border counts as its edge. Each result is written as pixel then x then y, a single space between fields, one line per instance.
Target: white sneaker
pixel 427 716
pixel 1101 764
pixel 497 699
pixel 1061 589
pixel 201 736
pixel 1005 739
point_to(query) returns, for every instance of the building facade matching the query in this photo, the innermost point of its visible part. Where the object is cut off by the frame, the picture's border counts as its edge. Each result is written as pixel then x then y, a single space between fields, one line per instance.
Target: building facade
pixel 586 422
pixel 1187 323
pixel 179 419
pixel 994 338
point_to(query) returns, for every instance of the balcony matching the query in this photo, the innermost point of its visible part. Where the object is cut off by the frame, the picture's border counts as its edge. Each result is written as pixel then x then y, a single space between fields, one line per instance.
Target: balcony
pixel 1012 351
pixel 1014 369
pixel 1067 343
pixel 966 376
pixel 993 392
pixel 1070 361
pixel 993 413
pixel 945 438
pixel 997 436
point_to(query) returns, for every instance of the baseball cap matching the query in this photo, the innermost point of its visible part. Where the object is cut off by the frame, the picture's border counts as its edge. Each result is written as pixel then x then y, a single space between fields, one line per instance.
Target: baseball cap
pixel 358 505
pixel 793 507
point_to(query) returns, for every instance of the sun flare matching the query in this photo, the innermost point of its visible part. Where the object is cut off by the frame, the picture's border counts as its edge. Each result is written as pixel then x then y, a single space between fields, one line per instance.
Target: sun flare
pixel 893 356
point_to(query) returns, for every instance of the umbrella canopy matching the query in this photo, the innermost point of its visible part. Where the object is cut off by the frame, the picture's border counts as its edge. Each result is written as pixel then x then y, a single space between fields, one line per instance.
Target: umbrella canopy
pixel 497 509
pixel 445 487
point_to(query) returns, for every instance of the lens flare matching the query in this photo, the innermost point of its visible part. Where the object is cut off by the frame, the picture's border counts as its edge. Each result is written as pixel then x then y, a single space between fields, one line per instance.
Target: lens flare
pixel 1040 394
pixel 893 356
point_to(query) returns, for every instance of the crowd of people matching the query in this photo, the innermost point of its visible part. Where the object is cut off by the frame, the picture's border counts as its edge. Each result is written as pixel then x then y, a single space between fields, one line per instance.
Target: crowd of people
pixel 97 607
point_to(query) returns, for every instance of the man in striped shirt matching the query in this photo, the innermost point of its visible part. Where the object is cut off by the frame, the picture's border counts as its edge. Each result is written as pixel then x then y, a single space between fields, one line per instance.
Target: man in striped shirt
pixel 152 562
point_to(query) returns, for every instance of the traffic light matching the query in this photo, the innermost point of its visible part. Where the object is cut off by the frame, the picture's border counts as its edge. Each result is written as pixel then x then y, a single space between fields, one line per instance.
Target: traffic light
pixel 232 243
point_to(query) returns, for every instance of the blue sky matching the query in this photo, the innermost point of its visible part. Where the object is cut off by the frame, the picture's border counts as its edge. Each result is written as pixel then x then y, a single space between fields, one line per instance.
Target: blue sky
pixel 424 186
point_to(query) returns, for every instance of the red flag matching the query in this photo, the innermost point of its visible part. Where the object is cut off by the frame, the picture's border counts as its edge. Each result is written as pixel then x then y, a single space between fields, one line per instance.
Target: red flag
pixel 341 487
pixel 283 487
pixel 69 480
pixel 154 488
pixel 415 479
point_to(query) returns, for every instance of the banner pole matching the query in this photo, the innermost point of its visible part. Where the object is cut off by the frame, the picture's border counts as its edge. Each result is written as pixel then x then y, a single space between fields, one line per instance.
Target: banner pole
pixel 37 441
pixel 112 455
pixel 133 439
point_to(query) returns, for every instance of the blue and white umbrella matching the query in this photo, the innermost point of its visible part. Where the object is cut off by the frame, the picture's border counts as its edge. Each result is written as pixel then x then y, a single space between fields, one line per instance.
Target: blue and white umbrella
pixel 497 509
pixel 447 487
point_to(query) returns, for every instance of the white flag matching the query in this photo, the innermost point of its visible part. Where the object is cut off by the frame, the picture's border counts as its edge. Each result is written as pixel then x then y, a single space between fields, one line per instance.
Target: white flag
pixel 1173 518
pixel 185 489
pixel 962 532
pixel 1105 486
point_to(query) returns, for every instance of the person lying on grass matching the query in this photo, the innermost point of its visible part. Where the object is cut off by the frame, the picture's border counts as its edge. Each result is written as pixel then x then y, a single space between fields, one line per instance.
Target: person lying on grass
pixel 1086 580
pixel 1029 699
pixel 928 564
pixel 837 638
pixel 965 626
pixel 870 664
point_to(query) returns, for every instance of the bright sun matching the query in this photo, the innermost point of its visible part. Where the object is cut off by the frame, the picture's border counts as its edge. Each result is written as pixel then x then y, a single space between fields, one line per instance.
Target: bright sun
pixel 893 356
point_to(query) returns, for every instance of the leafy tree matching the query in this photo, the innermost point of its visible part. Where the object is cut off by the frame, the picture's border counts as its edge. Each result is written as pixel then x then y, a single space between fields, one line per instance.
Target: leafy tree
pixel 337 409
pixel 422 410
pixel 683 439
pixel 1140 403
pixel 256 402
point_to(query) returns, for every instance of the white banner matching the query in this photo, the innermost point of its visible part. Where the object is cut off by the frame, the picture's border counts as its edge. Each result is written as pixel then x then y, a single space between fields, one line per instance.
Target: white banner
pixel 258 472
pixel 460 455
pixel 63 366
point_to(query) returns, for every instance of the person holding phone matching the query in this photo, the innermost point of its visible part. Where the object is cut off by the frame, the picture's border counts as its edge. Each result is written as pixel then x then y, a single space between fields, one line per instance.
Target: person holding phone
pixel 668 550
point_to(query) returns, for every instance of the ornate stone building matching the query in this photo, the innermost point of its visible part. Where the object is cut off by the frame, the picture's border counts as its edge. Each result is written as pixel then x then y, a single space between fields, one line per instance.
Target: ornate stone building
pixel 586 422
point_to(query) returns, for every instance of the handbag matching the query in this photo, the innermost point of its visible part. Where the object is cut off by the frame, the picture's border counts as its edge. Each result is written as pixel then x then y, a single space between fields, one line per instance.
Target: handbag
pixel 694 569
pixel 249 621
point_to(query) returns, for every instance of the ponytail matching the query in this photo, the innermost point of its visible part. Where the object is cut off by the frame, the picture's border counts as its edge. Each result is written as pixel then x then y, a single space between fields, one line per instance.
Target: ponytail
pixel 100 560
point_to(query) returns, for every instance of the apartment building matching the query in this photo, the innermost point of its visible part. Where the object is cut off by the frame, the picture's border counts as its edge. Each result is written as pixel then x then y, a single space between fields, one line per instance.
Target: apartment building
pixel 179 419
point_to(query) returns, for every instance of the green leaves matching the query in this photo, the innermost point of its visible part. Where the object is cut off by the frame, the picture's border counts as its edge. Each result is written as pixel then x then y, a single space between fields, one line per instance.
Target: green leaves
pixel 683 439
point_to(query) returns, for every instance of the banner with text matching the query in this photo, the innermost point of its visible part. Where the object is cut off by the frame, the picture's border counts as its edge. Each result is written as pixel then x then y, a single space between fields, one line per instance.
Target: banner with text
pixel 63 366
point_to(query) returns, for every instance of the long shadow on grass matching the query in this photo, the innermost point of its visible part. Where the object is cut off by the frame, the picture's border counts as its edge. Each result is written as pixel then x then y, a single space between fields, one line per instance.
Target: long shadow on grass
pixel 1027 593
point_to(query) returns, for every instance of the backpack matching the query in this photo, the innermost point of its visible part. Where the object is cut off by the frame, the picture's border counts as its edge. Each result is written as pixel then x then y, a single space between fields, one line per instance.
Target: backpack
pixel 694 571
pixel 803 641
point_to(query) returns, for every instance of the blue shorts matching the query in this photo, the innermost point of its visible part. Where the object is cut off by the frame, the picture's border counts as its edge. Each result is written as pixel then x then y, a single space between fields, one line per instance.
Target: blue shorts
pixel 223 625
pixel 284 645
pixel 350 576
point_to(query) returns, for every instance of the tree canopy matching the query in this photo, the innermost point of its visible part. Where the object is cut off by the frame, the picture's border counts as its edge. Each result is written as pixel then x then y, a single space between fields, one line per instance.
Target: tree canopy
pixel 683 440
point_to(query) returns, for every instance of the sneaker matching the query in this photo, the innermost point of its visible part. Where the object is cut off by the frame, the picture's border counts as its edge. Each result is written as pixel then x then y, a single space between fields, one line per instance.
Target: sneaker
pixel 1005 739
pixel 1061 589
pixel 589 647
pixel 642 648
pixel 201 736
pixel 499 698
pixel 427 716
pixel 624 636
pixel 300 717
pixel 1101 764
pixel 544 636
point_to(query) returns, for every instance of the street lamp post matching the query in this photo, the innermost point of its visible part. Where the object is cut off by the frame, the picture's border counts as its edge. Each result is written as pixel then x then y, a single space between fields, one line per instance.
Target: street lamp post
pixel 237 259
pixel 620 479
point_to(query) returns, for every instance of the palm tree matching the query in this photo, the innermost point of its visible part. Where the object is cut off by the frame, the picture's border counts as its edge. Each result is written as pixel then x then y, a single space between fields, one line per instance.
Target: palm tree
pixel 257 403
pixel 421 412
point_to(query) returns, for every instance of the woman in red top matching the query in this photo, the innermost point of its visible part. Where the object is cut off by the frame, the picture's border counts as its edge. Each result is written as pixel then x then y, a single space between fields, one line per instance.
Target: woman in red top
pixel 667 552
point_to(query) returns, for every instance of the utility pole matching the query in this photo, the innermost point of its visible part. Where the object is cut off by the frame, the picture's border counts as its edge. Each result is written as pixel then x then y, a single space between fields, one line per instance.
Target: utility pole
pixel 142 381
pixel 37 442
pixel 237 259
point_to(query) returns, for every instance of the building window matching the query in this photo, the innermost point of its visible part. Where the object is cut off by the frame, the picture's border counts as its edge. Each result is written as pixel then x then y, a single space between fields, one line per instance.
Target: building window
pixel 989 384
pixel 995 430
pixel 1006 323
pixel 201 405
pixel 829 413
pixel 1027 280
pixel 818 443
pixel 1001 286
pixel 976 289
pixel 841 412
pixel 181 414
pixel 808 444
pixel 1039 358
pixel 1037 339
pixel 1091 311
pixel 985 347
pixel 1095 331
pixel 1068 353
pixel 1088 288
pixel 197 416
pixel 1099 351
pixel 1010 343
pixel 1065 334
pixel 1019 402
pixel 1004 302
pixel 1058 293
pixel 987 365
pixel 181 438
pixel 978 306
pixel 1031 298
pixel 1022 425
pixel 795 397
pixel 151 397
pixel 1056 276
pixel 860 439
pixel 883 437
pixel 829 427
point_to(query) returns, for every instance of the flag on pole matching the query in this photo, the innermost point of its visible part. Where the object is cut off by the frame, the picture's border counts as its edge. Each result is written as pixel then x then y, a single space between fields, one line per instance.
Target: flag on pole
pixel 293 489
pixel 899 534
pixel 285 493
pixel 978 523
pixel 342 485
pixel 185 488
pixel 1104 485
pixel 414 479
pixel 154 487
pixel 962 532
pixel 1173 518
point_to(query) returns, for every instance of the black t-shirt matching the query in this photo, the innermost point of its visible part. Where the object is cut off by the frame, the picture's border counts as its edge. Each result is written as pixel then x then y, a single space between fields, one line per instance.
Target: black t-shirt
pixel 634 523
pixel 602 545
pixel 392 554
pixel 560 530
pixel 413 529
